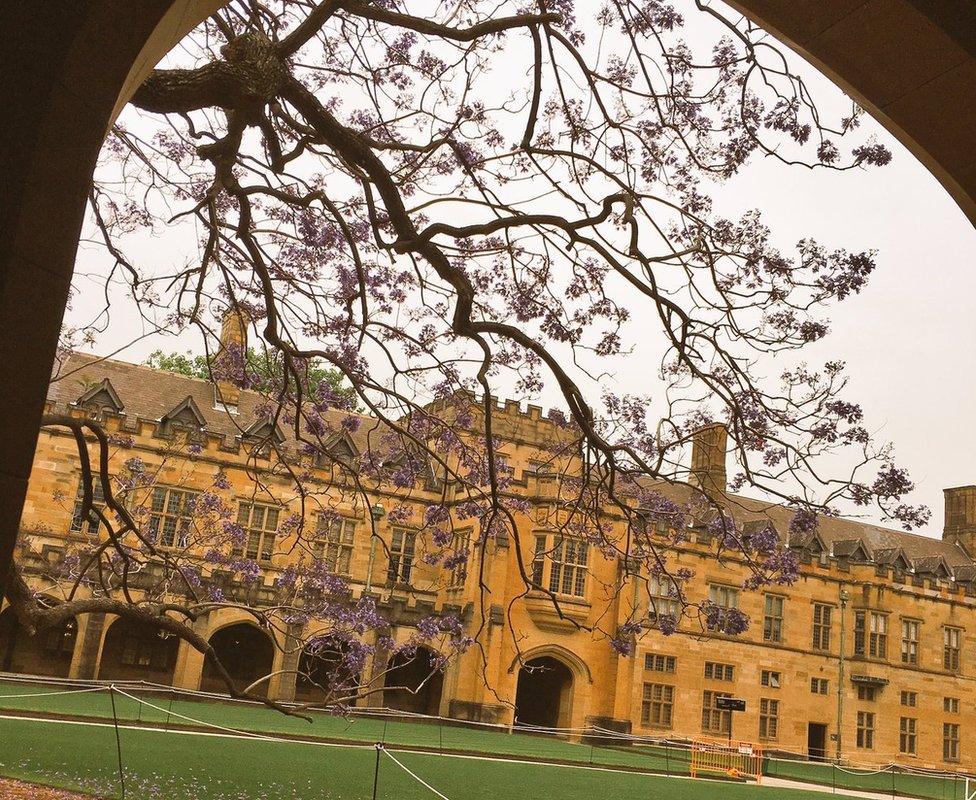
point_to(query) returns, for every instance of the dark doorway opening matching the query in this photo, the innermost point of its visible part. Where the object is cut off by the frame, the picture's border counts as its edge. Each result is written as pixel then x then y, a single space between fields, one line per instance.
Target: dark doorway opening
pixel 817 741
pixel 544 694
pixel 326 672
pixel 135 651
pixel 413 683
pixel 46 653
pixel 246 653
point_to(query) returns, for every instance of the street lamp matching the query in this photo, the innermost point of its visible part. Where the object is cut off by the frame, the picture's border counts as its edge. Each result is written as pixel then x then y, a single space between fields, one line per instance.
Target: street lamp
pixel 844 597
pixel 377 512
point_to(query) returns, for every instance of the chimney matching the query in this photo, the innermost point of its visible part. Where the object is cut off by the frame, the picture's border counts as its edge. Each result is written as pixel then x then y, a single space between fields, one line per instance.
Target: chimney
pixel 708 450
pixel 231 356
pixel 960 517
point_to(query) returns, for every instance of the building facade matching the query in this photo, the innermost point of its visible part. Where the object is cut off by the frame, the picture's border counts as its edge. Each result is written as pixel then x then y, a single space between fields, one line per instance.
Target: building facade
pixel 871 653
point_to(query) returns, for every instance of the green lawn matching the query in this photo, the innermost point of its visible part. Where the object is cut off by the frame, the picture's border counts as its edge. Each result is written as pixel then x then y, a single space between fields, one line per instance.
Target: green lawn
pixel 904 783
pixel 249 717
pixel 180 766
pixel 286 770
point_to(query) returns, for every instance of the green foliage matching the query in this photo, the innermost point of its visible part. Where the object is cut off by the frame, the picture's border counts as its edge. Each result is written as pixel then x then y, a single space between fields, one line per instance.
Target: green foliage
pixel 265 369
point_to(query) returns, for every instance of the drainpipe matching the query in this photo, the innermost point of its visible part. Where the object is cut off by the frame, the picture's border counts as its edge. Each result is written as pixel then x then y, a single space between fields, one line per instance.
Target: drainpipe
pixel 844 597
pixel 377 512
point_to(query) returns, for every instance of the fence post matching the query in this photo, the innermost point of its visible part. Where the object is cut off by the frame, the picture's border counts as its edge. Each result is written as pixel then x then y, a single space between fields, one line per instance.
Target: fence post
pixel 667 759
pixel 118 741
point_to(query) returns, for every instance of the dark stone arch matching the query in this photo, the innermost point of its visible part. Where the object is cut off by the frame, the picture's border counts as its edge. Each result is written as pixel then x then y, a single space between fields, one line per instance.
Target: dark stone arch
pixel 328 671
pixel 135 651
pixel 544 695
pixel 413 682
pixel 246 652
pixel 48 652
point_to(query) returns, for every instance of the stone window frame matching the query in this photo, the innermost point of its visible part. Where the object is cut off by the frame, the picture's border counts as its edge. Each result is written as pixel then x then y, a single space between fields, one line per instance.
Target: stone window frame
pixel 950 742
pixel 715 720
pixel 771 679
pixel 822 628
pixel 657 705
pixel 952 651
pixel 719 671
pixel 94 524
pixel 163 515
pixel 864 739
pixel 724 597
pixel 561 564
pixel 335 541
pixel 768 718
pixel 403 554
pixel 909 645
pixel 262 535
pixel 773 618
pixel 908 736
pixel 660 662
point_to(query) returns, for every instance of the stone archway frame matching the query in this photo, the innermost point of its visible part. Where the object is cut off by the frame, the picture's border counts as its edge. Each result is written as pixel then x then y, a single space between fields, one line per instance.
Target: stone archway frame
pixel 234 619
pixel 579 699
pixel 573 662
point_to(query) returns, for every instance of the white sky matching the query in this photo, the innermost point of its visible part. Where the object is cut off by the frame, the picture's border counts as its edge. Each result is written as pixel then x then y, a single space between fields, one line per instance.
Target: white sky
pixel 909 339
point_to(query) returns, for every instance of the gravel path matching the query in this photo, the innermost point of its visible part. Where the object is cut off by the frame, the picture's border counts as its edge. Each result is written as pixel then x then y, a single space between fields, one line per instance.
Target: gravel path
pixel 18 790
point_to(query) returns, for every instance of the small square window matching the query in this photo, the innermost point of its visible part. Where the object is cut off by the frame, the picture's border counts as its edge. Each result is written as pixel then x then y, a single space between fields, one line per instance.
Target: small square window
pixel 770 679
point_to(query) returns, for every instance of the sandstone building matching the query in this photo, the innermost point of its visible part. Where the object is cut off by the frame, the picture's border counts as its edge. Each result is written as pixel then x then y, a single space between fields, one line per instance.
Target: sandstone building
pixel 901 607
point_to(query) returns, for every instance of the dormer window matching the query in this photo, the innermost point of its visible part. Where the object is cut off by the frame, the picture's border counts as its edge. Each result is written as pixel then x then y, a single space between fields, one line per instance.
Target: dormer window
pixel 338 450
pixel 260 437
pixel 101 398
pixel 185 416
pixel 852 550
pixel 933 567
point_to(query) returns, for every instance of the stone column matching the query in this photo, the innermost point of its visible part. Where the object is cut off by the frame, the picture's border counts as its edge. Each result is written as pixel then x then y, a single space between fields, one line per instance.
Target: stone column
pixel 189 661
pixel 282 686
pixel 88 646
pixel 373 671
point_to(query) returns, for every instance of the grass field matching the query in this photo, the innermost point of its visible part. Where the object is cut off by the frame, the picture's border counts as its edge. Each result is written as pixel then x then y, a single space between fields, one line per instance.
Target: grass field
pixel 181 766
pixel 172 766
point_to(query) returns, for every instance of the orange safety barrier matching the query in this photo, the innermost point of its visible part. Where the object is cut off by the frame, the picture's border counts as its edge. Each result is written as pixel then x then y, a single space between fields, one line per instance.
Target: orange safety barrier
pixel 735 759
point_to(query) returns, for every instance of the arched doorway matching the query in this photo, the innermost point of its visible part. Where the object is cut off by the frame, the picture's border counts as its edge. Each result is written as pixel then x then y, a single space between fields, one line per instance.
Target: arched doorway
pixel 245 651
pixel 47 653
pixel 135 651
pixel 414 682
pixel 327 671
pixel 544 696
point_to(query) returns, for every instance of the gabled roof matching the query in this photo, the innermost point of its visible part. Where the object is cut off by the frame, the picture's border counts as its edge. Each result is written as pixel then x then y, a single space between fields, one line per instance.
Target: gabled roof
pixel 754 526
pixel 102 395
pixel 851 549
pixel 186 412
pixel 811 542
pixel 341 447
pixel 892 557
pixel 932 565
pixel 964 573
pixel 151 393
pixel 262 430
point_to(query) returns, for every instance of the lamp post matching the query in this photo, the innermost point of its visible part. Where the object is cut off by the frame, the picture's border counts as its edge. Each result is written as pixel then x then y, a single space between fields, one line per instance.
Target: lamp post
pixel 844 597
pixel 377 512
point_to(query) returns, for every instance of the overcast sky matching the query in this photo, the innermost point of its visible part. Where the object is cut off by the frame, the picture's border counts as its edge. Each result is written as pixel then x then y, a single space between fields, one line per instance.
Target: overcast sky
pixel 909 339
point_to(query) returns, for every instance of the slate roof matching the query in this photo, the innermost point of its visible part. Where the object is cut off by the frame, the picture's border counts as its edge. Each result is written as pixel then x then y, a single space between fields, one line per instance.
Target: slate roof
pixel 151 394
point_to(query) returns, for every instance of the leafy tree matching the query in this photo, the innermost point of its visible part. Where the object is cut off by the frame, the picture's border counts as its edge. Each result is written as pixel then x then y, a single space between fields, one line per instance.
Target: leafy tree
pixel 264 367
